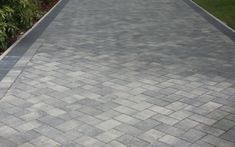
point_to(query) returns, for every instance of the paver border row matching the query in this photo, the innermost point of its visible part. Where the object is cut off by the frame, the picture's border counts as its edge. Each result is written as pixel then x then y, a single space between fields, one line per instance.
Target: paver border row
pixel 212 20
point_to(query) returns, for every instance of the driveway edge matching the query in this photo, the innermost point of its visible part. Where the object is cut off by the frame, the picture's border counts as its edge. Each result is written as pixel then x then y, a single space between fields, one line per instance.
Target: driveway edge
pixel 18 55
pixel 212 19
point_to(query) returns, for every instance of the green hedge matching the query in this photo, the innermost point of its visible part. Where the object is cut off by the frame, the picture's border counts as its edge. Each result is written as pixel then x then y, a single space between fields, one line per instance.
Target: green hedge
pixel 16 16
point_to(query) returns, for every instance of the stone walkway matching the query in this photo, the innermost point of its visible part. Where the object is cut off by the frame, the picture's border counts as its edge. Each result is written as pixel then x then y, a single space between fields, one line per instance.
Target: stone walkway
pixel 116 73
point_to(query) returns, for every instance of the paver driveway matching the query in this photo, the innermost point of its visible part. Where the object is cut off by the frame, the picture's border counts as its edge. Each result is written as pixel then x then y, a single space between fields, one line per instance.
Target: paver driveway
pixel 124 73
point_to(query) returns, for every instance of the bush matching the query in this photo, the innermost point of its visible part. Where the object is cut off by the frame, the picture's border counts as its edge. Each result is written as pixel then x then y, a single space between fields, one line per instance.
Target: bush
pixel 7 28
pixel 16 15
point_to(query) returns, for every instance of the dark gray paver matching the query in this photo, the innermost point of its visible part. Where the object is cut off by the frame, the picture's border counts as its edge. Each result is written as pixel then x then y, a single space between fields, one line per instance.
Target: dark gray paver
pixel 122 73
pixel 230 135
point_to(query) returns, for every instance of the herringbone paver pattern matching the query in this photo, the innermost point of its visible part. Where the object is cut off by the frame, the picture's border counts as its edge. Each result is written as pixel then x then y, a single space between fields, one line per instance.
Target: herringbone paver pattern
pixel 117 73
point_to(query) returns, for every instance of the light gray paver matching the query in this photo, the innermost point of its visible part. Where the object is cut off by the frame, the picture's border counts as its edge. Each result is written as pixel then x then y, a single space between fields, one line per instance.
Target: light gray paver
pixel 151 135
pixel 171 140
pixel 122 73
pixel 109 124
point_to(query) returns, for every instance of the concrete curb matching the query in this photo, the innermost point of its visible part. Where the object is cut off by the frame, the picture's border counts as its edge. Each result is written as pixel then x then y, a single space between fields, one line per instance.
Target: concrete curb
pixel 212 19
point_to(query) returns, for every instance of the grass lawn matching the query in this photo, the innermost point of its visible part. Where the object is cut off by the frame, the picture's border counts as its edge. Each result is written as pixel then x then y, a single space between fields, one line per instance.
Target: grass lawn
pixel 222 9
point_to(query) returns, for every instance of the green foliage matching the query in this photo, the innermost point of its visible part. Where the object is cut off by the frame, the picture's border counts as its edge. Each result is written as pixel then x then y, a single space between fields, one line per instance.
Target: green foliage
pixel 7 28
pixel 16 15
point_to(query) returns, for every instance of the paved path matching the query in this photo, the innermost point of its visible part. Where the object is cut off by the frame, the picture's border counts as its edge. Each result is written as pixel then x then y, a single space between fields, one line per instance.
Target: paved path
pixel 116 73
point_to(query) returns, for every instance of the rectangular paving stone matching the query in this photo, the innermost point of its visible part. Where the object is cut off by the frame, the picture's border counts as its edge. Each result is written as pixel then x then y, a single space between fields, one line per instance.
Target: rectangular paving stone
pixel 132 141
pixel 217 114
pixel 108 106
pixel 109 135
pixel 180 115
pixel 170 130
pixel 125 110
pixel 48 131
pixel 12 121
pixel 107 125
pixel 187 94
pixel 108 115
pixel 124 102
pixel 89 130
pixel 30 135
pixel 72 135
pixel 51 120
pixel 115 144
pixel 127 119
pixel 146 124
pixel 165 119
pixel 186 124
pixel 89 102
pixel 210 106
pixel 202 119
pixel 158 143
pixel 137 91
pixel 69 125
pixel 89 120
pixel 176 106
pixel 88 141
pixel 139 98
pixel 193 135
pixel 173 98
pixel 217 141
pixel 209 129
pixel 152 93
pixel 32 116
pixel 44 141
pixel 26 145
pixel 29 126
pixel 129 129
pixel 143 115
pixel 90 110
pixel 159 102
pixel 196 110
pixel 141 106
pixel 160 109
pixel 171 140
pixel 151 135
pixel 55 112
pixel 201 143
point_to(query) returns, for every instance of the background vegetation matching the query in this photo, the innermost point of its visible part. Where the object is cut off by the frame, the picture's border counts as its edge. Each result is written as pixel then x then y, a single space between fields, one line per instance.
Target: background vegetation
pixel 17 16
pixel 222 9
